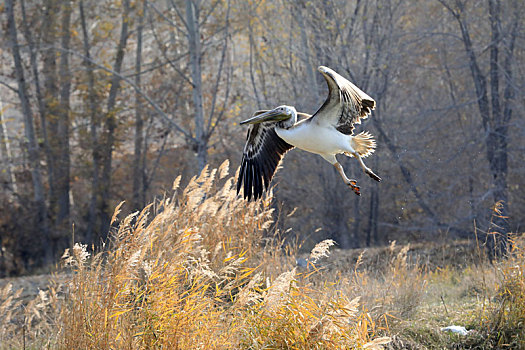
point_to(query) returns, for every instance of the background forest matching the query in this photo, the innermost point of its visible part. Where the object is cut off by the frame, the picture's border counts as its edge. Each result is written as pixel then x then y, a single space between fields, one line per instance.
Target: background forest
pixel 104 101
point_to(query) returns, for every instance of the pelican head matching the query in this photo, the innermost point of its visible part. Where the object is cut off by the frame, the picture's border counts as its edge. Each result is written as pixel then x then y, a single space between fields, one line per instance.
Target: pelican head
pixel 285 116
pixel 323 69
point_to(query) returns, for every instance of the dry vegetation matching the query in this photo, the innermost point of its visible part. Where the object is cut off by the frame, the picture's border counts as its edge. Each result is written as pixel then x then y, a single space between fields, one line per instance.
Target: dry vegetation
pixel 205 270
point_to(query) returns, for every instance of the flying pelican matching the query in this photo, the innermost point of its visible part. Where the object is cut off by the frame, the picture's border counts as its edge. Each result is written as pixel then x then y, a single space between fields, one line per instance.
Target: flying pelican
pixel 327 133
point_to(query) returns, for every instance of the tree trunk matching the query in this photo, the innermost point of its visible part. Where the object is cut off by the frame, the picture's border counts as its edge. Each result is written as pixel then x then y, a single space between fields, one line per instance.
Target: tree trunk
pixel 306 56
pixel 373 213
pixel 201 137
pixel 32 147
pixel 63 157
pixel 252 73
pixel 94 131
pixel 5 150
pixel 138 165
pixel 40 99
pixel 497 138
pixel 111 124
pixel 336 212
pixel 51 102
pixel 354 238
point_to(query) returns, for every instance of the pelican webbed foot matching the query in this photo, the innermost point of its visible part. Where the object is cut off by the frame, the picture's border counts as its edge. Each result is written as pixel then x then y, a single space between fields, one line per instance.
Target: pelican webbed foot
pixel 353 185
pixel 350 183
pixel 372 175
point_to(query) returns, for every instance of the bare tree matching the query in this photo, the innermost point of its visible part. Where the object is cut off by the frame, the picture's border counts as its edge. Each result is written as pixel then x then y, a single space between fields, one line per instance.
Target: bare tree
pixel 203 129
pixel 32 148
pixel 43 133
pixel 192 26
pixel 207 114
pixel 110 122
pixel 495 120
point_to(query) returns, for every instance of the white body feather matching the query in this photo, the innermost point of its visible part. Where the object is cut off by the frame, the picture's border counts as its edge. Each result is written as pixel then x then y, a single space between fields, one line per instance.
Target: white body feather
pixel 315 138
pixel 325 140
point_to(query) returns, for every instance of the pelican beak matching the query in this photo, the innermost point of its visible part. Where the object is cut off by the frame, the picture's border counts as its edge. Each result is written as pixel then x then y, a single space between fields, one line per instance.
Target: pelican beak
pixel 274 115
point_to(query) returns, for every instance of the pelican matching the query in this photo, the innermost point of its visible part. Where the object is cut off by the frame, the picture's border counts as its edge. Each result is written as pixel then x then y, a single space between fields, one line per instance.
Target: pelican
pixel 328 132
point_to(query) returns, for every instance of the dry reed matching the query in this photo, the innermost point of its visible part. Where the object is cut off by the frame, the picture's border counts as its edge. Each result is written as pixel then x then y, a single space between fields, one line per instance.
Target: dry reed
pixel 194 272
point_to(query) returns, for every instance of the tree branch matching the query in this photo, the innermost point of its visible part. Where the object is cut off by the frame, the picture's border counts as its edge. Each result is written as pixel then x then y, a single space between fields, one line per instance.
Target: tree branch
pixel 219 73
pixel 172 23
pixel 155 106
pixel 9 86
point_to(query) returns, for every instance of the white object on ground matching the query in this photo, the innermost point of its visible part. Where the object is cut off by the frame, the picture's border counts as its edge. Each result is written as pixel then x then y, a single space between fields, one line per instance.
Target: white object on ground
pixel 455 329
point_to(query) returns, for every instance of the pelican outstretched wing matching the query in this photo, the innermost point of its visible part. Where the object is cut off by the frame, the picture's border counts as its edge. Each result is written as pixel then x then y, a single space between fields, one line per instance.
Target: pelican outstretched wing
pixel 345 105
pixel 262 153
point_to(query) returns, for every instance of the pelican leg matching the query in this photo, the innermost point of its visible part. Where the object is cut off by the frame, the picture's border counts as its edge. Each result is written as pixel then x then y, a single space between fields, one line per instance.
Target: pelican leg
pixel 366 169
pixel 351 183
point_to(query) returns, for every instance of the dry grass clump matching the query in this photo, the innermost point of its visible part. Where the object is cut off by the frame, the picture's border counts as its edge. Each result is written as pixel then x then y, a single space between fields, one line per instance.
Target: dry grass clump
pixel 393 292
pixel 404 284
pixel 192 272
pixel 504 320
pixel 28 324
pixel 10 305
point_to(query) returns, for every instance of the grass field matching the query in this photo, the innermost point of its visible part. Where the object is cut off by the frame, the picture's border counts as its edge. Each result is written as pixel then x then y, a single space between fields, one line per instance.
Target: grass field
pixel 203 269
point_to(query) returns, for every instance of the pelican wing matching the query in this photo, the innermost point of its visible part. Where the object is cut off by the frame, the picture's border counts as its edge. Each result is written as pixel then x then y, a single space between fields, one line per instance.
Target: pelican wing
pixel 262 153
pixel 345 105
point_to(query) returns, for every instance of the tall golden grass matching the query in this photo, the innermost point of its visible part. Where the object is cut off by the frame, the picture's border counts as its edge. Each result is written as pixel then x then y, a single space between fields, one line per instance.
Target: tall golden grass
pixel 204 269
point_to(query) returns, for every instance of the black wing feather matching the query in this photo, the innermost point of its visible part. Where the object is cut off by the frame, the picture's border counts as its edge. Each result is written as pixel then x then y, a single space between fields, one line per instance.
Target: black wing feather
pixel 262 153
